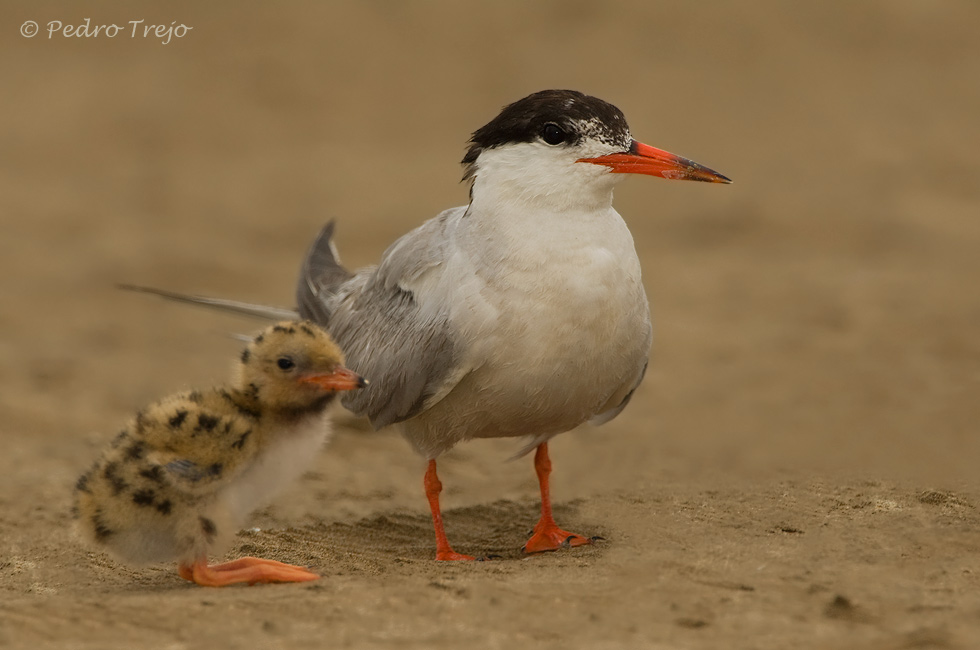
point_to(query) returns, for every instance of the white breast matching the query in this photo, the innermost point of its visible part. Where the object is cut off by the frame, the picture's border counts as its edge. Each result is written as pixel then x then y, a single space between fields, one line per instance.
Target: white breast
pixel 277 466
pixel 555 322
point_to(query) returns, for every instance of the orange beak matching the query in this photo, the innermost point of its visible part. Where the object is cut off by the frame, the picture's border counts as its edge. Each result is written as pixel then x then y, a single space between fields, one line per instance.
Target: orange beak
pixel 340 379
pixel 644 159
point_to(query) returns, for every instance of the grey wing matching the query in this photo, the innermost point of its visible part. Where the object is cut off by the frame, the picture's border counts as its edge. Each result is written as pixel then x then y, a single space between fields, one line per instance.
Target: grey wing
pixel 186 470
pixel 390 334
pixel 320 276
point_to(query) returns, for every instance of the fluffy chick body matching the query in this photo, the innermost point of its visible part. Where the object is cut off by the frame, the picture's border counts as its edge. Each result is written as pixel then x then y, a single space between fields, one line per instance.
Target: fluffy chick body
pixel 181 479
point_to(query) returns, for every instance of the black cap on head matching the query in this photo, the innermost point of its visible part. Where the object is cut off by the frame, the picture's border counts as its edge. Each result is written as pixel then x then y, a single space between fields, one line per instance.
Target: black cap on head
pixel 576 115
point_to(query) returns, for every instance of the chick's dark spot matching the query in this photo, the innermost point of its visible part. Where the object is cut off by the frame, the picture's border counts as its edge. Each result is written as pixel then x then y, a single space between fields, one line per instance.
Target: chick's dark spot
pixel 207 422
pixel 208 527
pixel 164 507
pixel 153 473
pixel 82 484
pixel 253 413
pixel 136 450
pixel 111 474
pixel 244 409
pixel 178 419
pixel 101 529
pixel 144 497
pixel 240 443
pixel 247 411
pixel 246 353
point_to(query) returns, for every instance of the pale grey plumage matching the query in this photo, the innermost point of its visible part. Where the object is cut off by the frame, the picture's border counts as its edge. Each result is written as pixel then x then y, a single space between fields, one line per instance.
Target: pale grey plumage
pixel 408 350
pixel 399 324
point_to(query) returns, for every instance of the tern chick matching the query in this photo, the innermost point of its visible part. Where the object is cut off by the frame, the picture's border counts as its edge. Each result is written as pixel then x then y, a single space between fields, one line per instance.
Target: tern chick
pixel 180 480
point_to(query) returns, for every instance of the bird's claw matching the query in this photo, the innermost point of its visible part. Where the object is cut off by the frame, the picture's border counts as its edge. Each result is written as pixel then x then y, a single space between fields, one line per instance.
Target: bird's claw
pixel 452 556
pixel 553 540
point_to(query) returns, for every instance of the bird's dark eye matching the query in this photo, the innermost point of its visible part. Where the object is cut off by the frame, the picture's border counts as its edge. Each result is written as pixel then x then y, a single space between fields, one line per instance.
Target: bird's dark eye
pixel 285 363
pixel 552 134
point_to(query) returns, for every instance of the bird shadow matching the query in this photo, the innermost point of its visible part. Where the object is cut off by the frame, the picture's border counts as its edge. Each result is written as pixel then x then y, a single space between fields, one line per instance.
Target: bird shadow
pixel 383 544
pixel 494 531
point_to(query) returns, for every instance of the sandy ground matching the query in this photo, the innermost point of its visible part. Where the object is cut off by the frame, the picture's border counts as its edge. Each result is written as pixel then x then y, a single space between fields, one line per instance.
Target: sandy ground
pixel 799 469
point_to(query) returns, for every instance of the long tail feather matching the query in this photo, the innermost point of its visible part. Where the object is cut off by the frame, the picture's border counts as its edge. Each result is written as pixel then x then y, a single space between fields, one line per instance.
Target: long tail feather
pixel 221 304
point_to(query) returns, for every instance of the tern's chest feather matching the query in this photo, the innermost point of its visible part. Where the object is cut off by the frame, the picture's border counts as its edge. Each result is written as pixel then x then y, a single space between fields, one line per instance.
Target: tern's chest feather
pixel 551 319
pixel 576 282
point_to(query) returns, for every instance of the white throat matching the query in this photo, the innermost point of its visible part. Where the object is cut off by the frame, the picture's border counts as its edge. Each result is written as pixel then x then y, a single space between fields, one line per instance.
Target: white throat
pixel 535 177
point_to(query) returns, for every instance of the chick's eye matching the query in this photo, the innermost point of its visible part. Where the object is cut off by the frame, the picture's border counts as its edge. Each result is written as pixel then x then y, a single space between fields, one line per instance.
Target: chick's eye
pixel 285 363
pixel 552 134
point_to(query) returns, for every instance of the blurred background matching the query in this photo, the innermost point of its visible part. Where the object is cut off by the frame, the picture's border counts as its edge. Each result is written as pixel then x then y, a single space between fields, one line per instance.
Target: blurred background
pixel 822 312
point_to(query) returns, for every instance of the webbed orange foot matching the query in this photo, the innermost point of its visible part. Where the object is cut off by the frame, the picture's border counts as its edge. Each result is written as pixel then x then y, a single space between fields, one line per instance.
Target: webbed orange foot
pixel 250 570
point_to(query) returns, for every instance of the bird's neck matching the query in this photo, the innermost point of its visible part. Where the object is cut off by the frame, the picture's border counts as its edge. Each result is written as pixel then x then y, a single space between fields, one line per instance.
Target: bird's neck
pixel 515 197
pixel 529 213
pixel 246 400
pixel 250 401
pixel 505 180
pixel 296 412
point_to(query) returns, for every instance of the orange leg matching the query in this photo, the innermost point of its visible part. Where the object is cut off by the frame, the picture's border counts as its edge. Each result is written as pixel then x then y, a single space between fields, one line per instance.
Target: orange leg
pixel 432 489
pixel 246 569
pixel 547 535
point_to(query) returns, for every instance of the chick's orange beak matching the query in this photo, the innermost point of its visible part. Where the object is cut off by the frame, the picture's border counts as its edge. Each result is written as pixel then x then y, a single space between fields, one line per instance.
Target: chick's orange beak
pixel 340 379
pixel 644 159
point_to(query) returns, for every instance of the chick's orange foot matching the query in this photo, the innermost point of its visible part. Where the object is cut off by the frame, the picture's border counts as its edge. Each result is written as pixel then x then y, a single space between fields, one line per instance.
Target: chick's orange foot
pixel 250 570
